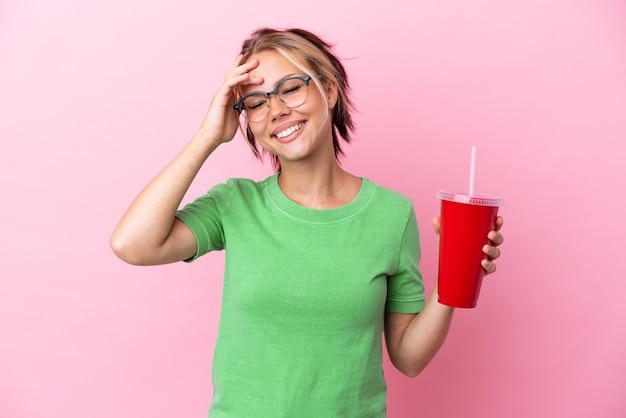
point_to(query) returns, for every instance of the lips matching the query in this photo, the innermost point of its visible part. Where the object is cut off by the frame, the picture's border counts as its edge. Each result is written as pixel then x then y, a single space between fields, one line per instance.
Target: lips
pixel 285 132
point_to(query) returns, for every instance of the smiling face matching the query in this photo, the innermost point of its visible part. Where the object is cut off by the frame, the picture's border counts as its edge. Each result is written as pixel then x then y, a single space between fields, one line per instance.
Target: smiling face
pixel 292 134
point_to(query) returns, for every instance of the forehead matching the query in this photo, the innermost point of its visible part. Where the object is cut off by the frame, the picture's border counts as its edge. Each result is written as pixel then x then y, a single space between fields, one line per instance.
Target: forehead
pixel 272 67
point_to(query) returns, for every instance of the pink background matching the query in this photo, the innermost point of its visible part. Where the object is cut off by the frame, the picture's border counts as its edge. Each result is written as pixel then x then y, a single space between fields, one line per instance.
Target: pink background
pixel 96 97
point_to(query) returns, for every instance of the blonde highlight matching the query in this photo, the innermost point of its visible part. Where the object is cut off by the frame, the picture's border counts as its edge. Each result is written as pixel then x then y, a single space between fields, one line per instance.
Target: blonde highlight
pixel 314 56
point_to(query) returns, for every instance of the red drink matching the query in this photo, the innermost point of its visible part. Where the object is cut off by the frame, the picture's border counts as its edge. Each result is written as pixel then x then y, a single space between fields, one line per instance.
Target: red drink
pixel 465 223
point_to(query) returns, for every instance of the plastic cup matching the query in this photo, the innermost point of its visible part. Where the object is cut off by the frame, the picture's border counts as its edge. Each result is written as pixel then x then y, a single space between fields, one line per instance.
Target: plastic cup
pixel 465 222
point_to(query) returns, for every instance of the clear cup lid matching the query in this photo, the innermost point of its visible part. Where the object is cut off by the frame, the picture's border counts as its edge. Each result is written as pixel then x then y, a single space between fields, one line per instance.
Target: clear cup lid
pixel 471 200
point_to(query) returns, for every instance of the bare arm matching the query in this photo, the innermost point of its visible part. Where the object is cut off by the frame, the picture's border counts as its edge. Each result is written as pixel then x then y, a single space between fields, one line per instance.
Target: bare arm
pixel 148 232
pixel 412 339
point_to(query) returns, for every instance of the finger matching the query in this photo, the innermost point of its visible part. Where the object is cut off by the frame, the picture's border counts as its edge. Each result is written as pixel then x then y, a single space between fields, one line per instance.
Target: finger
pixel 241 67
pixel 227 93
pixel 230 87
pixel 245 65
pixel 251 81
pixel 236 64
pixel 491 252
pixel 244 79
pixel 488 266
pixel 437 224
pixel 495 237
pixel 499 222
pixel 238 79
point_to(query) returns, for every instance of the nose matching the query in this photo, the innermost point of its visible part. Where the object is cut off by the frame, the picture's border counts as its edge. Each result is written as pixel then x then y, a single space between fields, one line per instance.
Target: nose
pixel 277 109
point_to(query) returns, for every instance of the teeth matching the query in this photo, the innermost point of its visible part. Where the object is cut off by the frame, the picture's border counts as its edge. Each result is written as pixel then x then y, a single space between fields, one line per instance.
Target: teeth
pixel 289 131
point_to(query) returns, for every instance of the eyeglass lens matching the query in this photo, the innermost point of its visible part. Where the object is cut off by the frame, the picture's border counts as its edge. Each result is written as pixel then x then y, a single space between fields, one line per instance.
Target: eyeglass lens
pixel 291 92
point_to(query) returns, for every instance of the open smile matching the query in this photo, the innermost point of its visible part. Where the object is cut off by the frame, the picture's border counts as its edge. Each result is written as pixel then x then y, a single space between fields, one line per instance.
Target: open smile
pixel 285 133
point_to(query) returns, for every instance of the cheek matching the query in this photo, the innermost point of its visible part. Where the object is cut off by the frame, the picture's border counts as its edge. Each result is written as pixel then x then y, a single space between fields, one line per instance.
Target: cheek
pixel 256 130
pixel 258 133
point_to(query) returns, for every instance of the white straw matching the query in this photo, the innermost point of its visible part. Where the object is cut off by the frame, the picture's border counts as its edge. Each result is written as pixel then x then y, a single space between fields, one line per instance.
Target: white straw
pixel 472 171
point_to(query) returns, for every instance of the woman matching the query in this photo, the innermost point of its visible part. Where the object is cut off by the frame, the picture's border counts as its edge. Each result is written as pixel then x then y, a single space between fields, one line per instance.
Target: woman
pixel 318 261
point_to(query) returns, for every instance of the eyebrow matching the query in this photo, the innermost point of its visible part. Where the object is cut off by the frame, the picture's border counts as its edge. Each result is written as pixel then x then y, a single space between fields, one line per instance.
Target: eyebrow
pixel 284 78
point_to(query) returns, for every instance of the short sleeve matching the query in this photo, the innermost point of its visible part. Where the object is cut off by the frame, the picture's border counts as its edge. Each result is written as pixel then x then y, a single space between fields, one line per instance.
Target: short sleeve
pixel 405 288
pixel 204 216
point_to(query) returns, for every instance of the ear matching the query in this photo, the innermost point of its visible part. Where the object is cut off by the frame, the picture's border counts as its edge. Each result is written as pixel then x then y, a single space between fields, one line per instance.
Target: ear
pixel 331 94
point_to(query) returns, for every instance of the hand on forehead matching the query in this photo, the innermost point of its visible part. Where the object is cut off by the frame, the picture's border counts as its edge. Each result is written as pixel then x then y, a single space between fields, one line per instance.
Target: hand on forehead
pixel 272 68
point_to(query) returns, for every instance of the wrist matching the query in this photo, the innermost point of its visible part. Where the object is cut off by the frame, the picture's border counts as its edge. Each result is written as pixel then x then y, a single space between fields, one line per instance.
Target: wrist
pixel 205 142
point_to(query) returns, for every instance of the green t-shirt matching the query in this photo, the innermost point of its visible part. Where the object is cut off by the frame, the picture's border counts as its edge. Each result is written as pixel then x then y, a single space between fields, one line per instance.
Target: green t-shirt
pixel 304 297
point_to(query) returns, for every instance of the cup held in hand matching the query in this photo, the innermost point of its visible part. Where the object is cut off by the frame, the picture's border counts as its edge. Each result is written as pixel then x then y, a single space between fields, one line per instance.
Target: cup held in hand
pixel 465 222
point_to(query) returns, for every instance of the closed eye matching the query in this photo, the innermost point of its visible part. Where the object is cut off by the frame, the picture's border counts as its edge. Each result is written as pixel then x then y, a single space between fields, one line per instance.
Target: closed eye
pixel 254 102
pixel 291 89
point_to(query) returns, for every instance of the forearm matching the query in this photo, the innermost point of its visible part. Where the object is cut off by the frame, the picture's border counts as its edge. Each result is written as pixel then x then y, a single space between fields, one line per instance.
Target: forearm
pixel 148 221
pixel 423 336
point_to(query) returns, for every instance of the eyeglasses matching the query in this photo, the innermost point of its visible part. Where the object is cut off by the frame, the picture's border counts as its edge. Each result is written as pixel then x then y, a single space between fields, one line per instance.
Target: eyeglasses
pixel 291 92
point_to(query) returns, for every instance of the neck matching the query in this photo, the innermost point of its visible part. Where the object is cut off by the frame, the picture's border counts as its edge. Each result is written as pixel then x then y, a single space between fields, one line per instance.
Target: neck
pixel 318 184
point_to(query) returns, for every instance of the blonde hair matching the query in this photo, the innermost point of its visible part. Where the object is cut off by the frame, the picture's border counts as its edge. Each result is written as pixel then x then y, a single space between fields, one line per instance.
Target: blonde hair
pixel 314 56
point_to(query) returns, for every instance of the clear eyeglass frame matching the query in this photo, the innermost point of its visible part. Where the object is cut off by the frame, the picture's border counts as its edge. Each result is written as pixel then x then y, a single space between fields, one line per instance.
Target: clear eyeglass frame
pixel 265 103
